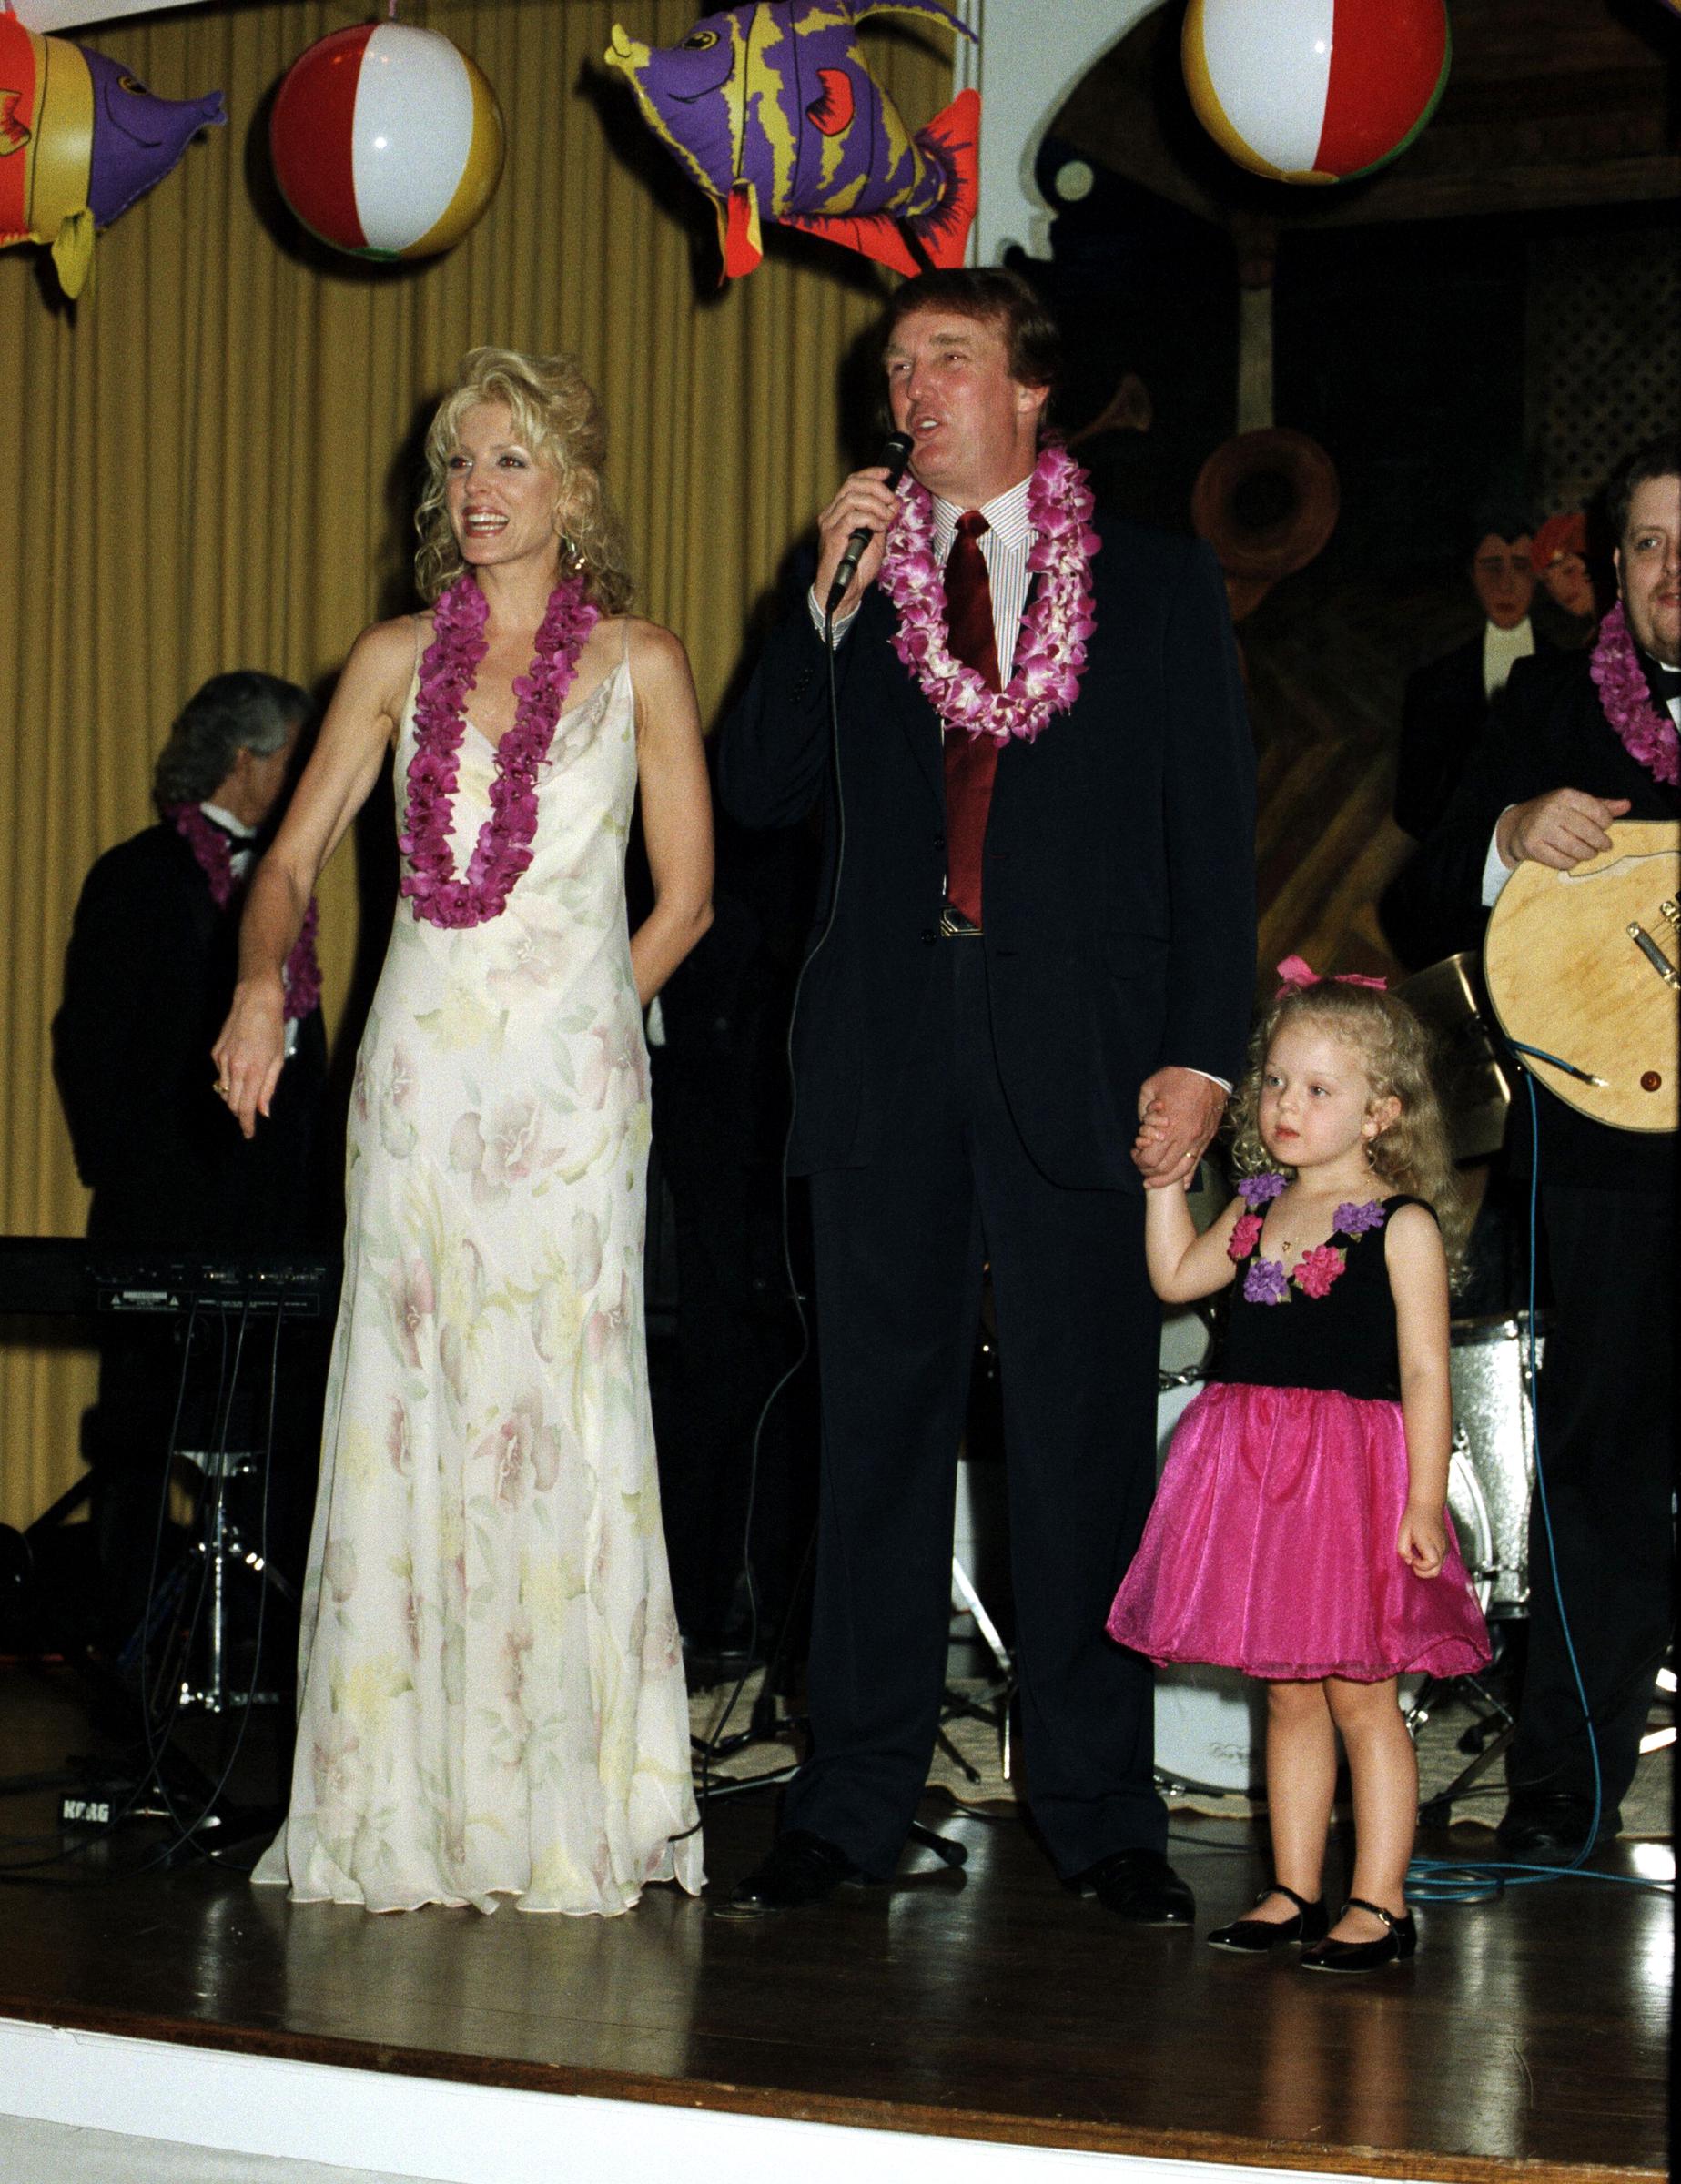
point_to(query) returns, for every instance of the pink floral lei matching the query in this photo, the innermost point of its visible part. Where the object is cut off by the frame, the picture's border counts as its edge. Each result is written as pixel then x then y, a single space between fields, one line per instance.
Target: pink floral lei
pixel 213 854
pixel 1648 733
pixel 1051 652
pixel 503 848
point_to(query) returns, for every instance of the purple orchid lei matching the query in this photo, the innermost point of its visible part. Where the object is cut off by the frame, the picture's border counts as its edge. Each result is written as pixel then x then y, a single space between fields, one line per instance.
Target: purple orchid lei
pixel 1648 733
pixel 1050 652
pixel 1268 1280
pixel 213 853
pixel 503 848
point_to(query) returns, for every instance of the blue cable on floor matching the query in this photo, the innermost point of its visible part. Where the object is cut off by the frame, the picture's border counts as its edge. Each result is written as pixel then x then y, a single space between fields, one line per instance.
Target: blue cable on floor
pixel 1479 1880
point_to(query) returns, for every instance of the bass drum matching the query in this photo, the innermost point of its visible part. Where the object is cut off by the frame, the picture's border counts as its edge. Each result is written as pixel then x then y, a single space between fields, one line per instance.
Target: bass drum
pixel 1493 1467
pixel 1211 1722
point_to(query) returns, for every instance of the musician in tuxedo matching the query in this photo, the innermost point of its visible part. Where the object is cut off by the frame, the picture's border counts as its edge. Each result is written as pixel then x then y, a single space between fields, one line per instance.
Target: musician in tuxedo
pixel 1031 942
pixel 1565 754
pixel 148 973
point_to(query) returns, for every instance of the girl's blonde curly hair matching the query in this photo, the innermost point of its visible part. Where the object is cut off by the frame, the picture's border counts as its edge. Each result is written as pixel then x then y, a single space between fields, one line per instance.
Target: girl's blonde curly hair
pixel 555 415
pixel 1396 1053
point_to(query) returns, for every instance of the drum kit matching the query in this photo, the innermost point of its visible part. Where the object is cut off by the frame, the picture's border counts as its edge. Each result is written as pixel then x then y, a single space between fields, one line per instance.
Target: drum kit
pixel 1209 1721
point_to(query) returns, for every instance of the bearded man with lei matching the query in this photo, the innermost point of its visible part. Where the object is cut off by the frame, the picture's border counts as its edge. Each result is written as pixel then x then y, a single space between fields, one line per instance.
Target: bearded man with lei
pixel 1565 756
pixel 492 1700
pixel 1038 804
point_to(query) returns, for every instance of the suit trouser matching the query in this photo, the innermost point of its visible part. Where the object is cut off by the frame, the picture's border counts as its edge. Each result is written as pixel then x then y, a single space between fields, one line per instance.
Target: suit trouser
pixel 899 1246
pixel 1607 1443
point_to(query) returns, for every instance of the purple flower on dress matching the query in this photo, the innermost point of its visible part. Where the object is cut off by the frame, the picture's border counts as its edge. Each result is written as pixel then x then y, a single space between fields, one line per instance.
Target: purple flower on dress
pixel 1354 1220
pixel 1266 1283
pixel 1260 1190
pixel 1244 1237
pixel 1316 1269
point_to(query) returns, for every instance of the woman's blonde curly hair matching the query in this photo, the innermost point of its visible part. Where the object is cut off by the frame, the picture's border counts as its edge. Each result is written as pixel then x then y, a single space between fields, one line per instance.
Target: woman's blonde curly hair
pixel 555 415
pixel 1396 1052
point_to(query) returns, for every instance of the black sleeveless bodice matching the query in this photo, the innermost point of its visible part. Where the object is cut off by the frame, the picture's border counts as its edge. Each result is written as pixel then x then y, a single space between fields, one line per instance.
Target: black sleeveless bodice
pixel 1345 1338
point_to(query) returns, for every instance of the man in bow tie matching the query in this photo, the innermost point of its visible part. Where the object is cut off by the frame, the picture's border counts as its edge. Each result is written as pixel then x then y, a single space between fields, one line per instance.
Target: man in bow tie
pixel 148 974
pixel 1565 756
pixel 1037 814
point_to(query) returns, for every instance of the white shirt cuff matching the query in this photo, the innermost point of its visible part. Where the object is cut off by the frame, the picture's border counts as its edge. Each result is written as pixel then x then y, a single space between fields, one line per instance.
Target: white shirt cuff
pixel 1496 872
pixel 842 622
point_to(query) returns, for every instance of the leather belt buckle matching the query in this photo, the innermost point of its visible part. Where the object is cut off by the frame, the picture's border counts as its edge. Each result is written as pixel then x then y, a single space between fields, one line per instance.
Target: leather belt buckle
pixel 954 925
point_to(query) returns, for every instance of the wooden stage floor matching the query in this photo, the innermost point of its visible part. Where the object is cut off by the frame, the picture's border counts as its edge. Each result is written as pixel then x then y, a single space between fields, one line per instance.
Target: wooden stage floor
pixel 1530 2038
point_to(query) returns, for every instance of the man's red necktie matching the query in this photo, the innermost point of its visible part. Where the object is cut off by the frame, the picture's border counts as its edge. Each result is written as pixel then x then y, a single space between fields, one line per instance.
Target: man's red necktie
pixel 971 761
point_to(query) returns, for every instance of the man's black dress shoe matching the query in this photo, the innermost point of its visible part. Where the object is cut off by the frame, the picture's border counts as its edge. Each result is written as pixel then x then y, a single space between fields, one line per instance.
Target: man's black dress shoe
pixel 1550 1828
pixel 801 1868
pixel 1139 1885
pixel 1394 1946
pixel 1252 1937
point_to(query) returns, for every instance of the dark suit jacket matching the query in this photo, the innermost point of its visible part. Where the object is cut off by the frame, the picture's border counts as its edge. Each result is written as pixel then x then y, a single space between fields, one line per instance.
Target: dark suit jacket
pixel 1442 712
pixel 1118 874
pixel 148 976
pixel 1546 732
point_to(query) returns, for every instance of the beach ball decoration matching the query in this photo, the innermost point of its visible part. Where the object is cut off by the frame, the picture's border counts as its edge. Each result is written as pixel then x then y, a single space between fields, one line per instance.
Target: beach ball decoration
pixel 81 137
pixel 1314 90
pixel 387 141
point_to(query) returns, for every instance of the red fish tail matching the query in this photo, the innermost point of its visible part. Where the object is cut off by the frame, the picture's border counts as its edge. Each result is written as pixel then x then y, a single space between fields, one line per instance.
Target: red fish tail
pixel 952 141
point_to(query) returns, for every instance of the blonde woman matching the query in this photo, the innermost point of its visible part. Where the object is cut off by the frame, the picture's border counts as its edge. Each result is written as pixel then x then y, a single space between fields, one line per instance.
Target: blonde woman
pixel 492 1699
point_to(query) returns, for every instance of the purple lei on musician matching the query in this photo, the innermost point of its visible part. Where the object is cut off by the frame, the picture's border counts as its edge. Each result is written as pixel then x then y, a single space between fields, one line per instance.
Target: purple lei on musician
pixel 503 848
pixel 213 853
pixel 1647 732
pixel 1051 652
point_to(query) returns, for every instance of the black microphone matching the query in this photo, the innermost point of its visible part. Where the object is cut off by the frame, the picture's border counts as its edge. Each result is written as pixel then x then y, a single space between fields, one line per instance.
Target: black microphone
pixel 895 455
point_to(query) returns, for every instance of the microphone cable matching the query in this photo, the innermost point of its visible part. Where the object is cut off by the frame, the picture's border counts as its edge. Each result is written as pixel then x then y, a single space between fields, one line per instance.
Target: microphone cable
pixel 1486 1880
pixel 707 1747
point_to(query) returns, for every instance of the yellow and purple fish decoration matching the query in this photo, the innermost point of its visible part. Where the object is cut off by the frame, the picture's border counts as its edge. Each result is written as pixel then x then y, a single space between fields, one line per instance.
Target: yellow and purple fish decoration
pixel 80 139
pixel 772 109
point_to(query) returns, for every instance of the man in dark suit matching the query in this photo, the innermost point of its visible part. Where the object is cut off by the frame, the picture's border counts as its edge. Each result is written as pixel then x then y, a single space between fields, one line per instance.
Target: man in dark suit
pixel 148 976
pixel 1446 702
pixel 1553 771
pixel 1029 945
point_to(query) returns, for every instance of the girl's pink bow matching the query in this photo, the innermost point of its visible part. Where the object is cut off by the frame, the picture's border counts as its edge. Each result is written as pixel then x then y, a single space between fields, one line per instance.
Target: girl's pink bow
pixel 1298 974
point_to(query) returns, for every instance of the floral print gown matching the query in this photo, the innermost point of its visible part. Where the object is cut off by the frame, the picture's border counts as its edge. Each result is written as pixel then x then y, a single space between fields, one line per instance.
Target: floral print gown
pixel 491 1690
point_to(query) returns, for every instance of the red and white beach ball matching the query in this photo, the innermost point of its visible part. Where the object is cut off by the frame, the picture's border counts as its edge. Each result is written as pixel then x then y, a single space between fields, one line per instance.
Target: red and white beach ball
pixel 1314 90
pixel 387 141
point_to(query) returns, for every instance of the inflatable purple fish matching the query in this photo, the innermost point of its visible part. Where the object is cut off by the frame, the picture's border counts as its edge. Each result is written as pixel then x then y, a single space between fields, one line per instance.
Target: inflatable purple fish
pixel 772 109
pixel 80 139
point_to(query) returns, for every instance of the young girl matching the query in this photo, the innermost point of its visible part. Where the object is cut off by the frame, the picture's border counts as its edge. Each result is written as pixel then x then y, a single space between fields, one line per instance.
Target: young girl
pixel 1299 1531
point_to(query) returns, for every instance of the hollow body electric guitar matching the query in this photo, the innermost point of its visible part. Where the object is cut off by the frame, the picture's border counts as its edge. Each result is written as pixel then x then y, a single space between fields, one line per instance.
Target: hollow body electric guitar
pixel 1584 970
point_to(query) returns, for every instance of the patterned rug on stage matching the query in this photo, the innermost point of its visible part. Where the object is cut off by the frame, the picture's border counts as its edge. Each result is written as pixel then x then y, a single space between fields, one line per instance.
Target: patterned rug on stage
pixel 1203 1750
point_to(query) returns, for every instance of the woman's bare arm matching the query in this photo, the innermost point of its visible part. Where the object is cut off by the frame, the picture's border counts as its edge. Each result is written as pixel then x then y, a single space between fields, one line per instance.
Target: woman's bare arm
pixel 336 784
pixel 676 807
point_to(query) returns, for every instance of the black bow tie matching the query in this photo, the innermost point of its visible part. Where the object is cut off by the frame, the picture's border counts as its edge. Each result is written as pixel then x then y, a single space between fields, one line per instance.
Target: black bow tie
pixel 1664 681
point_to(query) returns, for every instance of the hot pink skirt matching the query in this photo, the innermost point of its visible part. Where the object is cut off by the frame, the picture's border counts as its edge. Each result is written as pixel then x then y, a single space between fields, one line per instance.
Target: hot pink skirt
pixel 1272 1547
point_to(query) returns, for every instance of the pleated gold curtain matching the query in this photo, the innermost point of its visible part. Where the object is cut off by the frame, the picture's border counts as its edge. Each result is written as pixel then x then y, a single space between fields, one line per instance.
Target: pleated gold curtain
pixel 205 471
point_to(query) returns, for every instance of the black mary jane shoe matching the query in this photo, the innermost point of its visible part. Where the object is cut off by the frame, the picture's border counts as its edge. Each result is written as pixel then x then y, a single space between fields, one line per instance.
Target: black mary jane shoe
pixel 1394 1946
pixel 1254 1936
